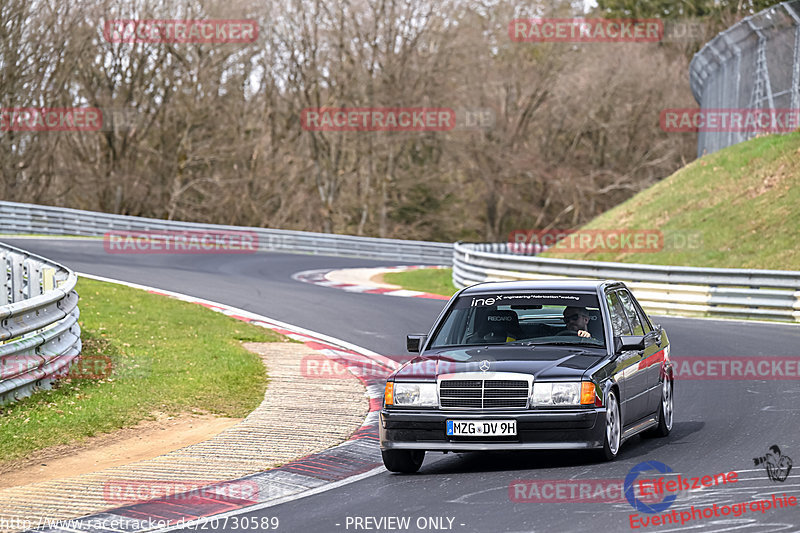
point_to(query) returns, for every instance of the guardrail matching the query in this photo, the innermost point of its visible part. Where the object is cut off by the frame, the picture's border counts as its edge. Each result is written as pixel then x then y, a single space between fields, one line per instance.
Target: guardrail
pixel 39 331
pixel 716 292
pixel 29 218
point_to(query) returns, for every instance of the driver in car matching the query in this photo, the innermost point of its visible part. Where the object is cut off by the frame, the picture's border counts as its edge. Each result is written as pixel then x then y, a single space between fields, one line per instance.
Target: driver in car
pixel 577 319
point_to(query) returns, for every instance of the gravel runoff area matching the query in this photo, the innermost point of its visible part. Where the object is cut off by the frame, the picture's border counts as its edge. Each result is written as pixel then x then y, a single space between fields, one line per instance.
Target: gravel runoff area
pixel 298 416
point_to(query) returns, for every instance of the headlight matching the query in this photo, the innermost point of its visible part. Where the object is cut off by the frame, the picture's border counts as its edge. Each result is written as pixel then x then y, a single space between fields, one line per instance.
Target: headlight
pixel 414 395
pixel 557 394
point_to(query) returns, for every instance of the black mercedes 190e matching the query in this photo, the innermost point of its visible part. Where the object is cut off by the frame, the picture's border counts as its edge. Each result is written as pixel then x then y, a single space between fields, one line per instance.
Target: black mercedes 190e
pixel 530 365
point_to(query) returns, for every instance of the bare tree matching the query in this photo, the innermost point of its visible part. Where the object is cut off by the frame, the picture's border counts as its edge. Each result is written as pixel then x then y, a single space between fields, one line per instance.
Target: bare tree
pixel 212 132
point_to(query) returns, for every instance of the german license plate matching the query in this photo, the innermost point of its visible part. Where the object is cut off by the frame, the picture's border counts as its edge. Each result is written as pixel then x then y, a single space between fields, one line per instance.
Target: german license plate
pixel 481 428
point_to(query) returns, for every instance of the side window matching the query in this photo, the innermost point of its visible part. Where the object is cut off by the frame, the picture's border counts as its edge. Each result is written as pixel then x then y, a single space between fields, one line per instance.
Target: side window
pixel 648 327
pixel 619 324
pixel 630 310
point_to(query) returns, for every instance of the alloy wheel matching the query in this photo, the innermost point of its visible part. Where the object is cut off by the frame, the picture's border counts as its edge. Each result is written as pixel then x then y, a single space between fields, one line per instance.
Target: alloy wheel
pixel 613 423
pixel 666 401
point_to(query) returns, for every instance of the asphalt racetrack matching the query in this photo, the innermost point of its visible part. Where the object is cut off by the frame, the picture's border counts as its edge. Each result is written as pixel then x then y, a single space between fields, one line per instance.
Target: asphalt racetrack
pixel 720 425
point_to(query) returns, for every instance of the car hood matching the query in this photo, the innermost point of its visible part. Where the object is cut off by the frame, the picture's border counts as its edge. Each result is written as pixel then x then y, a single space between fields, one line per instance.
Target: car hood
pixel 544 362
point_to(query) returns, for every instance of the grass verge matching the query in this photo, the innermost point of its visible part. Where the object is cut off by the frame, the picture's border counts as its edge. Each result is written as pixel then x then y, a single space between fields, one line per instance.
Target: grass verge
pixel 167 356
pixel 736 208
pixel 432 280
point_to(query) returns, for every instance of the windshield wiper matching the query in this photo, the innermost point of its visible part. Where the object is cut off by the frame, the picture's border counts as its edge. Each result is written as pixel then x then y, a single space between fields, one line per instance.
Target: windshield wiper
pixel 562 343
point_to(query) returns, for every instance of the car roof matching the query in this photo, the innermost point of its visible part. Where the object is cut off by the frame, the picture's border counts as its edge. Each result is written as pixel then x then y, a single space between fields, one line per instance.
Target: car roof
pixel 583 285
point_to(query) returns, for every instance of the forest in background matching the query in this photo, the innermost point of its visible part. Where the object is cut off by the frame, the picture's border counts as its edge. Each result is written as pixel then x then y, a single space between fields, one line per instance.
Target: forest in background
pixel 212 132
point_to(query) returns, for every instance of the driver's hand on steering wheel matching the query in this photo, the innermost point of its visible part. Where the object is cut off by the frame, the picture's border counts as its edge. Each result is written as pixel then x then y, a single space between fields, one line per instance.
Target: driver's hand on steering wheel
pixel 584 333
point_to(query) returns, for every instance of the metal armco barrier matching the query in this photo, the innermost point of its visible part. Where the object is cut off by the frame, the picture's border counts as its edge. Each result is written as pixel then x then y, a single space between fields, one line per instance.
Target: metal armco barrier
pixel 29 218
pixel 39 331
pixel 676 290
pixel 692 291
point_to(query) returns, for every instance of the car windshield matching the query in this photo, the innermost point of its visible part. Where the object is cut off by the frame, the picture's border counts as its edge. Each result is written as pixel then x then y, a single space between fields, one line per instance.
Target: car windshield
pixel 523 319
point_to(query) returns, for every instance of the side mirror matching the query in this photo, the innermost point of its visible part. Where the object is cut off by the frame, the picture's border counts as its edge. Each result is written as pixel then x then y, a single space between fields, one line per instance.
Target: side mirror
pixel 658 336
pixel 414 343
pixel 626 343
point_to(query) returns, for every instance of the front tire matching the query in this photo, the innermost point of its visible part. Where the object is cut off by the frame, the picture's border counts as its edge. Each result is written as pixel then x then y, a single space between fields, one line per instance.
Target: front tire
pixel 666 412
pixel 403 461
pixel 613 431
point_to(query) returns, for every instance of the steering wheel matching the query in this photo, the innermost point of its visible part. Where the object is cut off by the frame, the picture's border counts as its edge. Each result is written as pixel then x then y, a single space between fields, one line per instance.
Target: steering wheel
pixel 572 332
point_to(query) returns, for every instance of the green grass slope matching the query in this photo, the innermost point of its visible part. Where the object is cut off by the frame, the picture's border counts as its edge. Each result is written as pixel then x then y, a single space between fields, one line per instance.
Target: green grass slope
pixel 736 208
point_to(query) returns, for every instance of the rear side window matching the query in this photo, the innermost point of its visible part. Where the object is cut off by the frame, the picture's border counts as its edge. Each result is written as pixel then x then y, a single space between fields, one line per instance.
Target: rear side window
pixel 619 323
pixel 630 311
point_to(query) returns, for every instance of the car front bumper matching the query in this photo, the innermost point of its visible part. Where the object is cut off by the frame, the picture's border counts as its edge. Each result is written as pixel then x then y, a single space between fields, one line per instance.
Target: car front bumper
pixel 536 430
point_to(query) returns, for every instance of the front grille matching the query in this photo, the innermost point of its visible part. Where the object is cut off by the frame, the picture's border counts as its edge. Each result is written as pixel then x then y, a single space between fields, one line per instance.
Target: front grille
pixel 511 383
pixel 484 394
pixel 475 403
pixel 461 384
pixel 464 393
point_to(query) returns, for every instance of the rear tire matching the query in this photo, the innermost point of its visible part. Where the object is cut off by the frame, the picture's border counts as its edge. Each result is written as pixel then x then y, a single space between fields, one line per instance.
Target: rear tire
pixel 613 433
pixel 665 413
pixel 403 461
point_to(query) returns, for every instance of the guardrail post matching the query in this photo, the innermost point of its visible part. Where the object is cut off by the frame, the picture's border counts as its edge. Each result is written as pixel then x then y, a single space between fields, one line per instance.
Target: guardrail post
pixel 17 282
pixel 33 269
pixel 5 275
pixel 48 279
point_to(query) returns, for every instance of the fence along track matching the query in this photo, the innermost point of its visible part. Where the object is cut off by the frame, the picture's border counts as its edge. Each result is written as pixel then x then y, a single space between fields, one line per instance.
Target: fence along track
pixel 754 64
